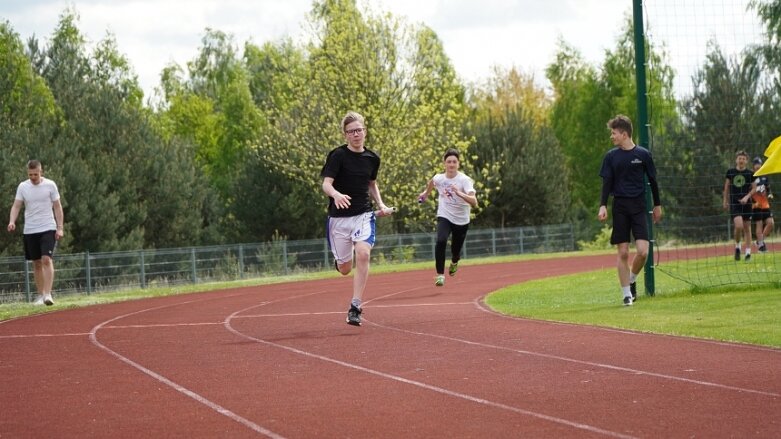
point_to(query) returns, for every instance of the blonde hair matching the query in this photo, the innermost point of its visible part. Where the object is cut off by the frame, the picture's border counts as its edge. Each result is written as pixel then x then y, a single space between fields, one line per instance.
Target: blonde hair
pixel 351 117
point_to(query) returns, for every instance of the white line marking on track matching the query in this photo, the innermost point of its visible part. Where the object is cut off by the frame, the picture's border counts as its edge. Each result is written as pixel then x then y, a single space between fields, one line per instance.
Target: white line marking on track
pixel 576 361
pixel 179 388
pixel 430 387
pixel 79 334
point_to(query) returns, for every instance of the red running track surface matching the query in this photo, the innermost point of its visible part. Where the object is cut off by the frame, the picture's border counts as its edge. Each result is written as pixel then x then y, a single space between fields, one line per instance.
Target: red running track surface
pixel 279 361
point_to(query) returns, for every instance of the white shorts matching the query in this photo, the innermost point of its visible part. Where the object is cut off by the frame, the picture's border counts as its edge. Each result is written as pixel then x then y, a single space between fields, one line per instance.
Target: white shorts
pixel 344 232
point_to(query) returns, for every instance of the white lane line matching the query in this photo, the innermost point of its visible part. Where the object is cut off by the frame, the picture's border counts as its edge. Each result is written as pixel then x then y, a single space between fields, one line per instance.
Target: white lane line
pixel 436 389
pixel 72 334
pixel 583 362
pixel 179 388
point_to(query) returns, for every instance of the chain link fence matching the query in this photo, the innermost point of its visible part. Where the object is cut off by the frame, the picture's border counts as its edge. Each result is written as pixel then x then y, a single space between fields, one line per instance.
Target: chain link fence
pixel 91 273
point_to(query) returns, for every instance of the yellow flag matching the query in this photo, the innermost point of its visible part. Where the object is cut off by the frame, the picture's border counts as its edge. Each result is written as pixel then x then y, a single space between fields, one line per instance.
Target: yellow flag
pixel 774 146
pixel 772 165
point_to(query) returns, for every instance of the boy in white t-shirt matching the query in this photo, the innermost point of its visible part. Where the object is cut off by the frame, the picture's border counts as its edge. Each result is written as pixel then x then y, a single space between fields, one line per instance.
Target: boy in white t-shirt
pixel 43 226
pixel 456 198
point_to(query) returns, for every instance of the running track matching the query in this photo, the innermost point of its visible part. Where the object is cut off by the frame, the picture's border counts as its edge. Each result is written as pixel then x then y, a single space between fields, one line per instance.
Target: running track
pixel 279 361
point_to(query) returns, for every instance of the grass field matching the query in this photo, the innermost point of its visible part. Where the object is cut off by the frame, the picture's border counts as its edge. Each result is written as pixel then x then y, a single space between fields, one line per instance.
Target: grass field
pixel 737 314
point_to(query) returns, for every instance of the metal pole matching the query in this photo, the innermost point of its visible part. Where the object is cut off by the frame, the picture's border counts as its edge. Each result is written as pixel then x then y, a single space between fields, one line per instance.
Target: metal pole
pixel 27 280
pixel 642 124
pixel 193 268
pixel 88 269
pixel 241 261
pixel 142 270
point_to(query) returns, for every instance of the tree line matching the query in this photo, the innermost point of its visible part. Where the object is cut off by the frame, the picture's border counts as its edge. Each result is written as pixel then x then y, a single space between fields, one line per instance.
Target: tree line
pixel 230 148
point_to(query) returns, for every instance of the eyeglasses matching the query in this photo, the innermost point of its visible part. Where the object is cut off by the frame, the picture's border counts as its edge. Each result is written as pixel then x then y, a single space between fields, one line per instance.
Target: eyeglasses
pixel 355 131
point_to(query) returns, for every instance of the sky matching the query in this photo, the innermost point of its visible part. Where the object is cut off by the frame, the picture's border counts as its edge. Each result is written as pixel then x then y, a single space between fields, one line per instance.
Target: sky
pixel 477 35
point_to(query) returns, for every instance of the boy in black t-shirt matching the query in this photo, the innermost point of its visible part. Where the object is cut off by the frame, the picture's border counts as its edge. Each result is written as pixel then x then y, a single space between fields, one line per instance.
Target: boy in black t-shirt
pixel 623 170
pixel 350 179
pixel 738 189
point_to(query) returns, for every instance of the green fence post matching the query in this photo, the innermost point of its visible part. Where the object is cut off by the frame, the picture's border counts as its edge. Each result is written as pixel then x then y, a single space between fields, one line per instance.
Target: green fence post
pixel 284 254
pixel 241 261
pixel 88 272
pixel 193 272
pixel 27 280
pixel 642 125
pixel 142 271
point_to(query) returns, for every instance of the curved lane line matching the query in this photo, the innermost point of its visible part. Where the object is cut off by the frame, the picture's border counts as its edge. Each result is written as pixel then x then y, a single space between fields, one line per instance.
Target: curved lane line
pixel 179 388
pixel 436 389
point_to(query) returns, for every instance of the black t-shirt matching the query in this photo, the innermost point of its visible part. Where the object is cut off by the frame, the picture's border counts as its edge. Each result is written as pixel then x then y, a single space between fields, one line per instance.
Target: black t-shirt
pixel 739 183
pixel 622 174
pixel 352 172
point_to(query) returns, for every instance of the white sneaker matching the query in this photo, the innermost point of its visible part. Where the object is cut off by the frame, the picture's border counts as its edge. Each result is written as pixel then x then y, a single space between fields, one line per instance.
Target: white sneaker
pixel 39 300
pixel 47 299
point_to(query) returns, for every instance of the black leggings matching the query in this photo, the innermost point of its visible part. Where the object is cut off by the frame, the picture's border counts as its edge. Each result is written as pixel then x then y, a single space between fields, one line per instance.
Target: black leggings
pixel 444 229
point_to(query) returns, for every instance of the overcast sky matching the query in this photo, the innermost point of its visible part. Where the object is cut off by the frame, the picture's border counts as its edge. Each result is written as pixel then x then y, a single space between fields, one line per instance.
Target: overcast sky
pixel 477 34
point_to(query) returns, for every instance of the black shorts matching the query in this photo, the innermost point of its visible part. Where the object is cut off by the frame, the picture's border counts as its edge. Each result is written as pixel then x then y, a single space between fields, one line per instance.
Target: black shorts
pixel 736 208
pixel 38 245
pixel 761 214
pixel 629 215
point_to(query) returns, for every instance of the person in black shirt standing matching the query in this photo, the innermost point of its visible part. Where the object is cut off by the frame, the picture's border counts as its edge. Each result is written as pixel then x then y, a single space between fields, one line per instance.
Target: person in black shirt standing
pixel 623 169
pixel 350 179
pixel 738 189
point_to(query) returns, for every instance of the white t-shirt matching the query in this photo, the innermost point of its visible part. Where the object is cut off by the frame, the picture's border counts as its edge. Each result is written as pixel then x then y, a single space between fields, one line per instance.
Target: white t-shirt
pixel 38 199
pixel 451 206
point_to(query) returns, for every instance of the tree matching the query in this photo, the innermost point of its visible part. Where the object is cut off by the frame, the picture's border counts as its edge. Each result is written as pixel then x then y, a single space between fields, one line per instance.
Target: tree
pixel 514 142
pixel 395 75
pixel 111 163
pixel 585 98
pixel 29 118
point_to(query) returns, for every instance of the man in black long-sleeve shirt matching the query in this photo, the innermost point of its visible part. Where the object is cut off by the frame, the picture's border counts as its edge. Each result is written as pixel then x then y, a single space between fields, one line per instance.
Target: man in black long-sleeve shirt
pixel 623 169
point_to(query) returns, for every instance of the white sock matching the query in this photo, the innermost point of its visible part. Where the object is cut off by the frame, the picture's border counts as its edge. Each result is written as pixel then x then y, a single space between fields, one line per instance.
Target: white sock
pixel 626 291
pixel 356 303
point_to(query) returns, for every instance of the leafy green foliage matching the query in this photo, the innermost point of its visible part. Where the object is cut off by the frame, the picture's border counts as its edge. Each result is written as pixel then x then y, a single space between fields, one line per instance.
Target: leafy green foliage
pixel 587 97
pixel 516 154
pixel 398 77
pixel 29 118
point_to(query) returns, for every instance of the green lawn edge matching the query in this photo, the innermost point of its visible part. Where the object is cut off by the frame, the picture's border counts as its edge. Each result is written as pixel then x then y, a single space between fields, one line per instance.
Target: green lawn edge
pixel 731 314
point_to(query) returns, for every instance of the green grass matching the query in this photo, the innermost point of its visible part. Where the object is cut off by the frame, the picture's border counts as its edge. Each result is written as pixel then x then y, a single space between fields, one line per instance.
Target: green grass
pixel 738 314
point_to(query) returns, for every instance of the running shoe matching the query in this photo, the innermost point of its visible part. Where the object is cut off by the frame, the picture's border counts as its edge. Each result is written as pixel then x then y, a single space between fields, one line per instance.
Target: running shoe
pixel 453 268
pixel 627 301
pixel 38 300
pixel 47 299
pixel 748 257
pixel 440 280
pixel 633 289
pixel 354 316
pixel 762 248
pixel 737 254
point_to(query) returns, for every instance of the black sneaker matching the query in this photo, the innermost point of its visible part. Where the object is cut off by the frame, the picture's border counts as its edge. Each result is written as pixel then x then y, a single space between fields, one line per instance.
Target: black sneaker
pixel 627 301
pixel 737 254
pixel 762 248
pixel 354 316
pixel 748 257
pixel 633 289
